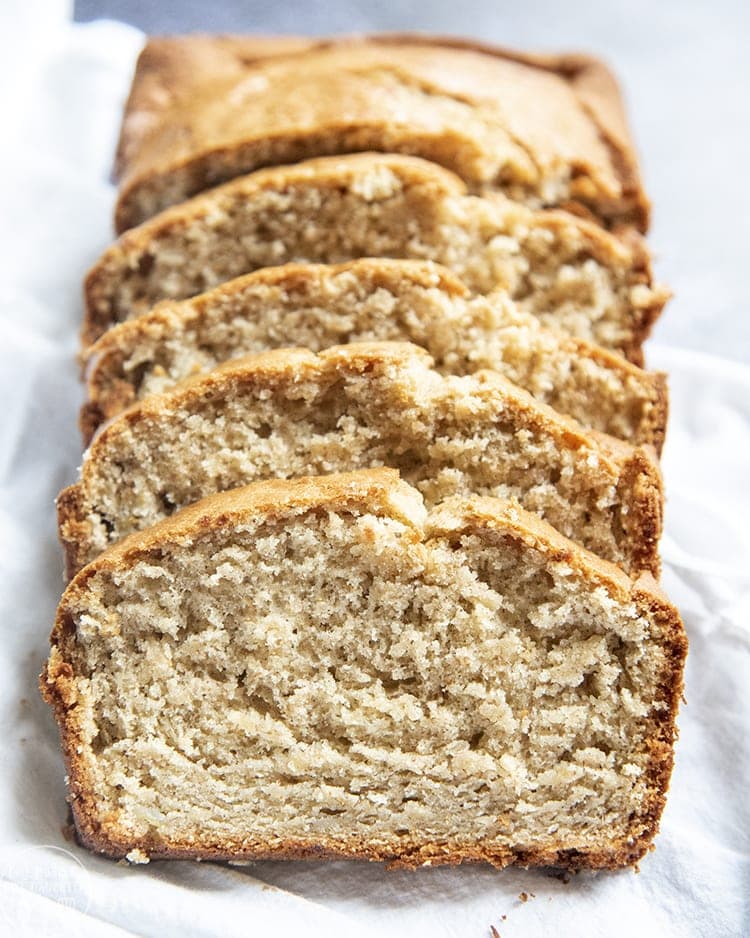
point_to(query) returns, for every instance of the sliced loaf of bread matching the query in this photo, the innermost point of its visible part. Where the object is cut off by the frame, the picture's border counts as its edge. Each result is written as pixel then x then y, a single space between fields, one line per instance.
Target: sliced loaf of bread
pixel 317 306
pixel 293 413
pixel 544 130
pixel 313 668
pixel 569 272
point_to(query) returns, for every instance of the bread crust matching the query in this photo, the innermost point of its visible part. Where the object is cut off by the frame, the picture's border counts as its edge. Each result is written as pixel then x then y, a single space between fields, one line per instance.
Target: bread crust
pixel 137 247
pixel 183 114
pixel 371 491
pixel 112 386
pixel 635 468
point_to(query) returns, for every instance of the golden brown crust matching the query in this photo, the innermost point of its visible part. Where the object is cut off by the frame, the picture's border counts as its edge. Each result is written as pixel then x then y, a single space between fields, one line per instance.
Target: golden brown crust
pixel 636 469
pixel 205 109
pixel 163 69
pixel 659 417
pixel 72 527
pixel 648 595
pixel 424 181
pixel 641 483
pixel 112 387
pixel 371 491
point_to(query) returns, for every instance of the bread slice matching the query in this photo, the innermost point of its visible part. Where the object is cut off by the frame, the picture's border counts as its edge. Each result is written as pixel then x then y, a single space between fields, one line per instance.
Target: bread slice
pixel 569 272
pixel 317 306
pixel 545 130
pixel 292 413
pixel 314 669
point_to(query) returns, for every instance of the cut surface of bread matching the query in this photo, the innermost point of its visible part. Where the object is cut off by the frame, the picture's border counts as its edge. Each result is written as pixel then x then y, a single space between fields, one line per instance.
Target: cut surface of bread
pixel 292 413
pixel 314 668
pixel 545 131
pixel 317 306
pixel 569 272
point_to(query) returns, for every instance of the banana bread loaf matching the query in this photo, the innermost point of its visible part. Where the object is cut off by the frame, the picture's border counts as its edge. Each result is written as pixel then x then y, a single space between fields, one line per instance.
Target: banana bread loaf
pixel 548 131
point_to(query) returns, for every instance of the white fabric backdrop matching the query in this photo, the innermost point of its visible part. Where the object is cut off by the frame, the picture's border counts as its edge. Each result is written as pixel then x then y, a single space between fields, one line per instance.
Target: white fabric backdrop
pixel 55 210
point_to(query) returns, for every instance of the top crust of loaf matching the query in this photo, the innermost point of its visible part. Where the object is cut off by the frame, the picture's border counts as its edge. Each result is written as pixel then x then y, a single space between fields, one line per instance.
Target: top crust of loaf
pixel 377 492
pixel 210 108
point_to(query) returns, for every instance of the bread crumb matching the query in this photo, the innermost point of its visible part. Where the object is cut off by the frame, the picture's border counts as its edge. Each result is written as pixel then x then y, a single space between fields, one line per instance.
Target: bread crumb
pixel 137 856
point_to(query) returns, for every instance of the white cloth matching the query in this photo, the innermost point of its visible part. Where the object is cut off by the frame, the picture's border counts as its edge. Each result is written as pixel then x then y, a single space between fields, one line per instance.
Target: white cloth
pixel 55 218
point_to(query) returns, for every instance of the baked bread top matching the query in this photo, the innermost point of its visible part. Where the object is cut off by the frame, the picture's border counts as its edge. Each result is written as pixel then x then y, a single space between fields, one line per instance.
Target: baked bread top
pixel 316 668
pixel 546 130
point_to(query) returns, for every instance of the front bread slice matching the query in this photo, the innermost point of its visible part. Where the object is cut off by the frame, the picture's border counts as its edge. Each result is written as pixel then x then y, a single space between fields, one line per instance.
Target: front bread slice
pixel 312 668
